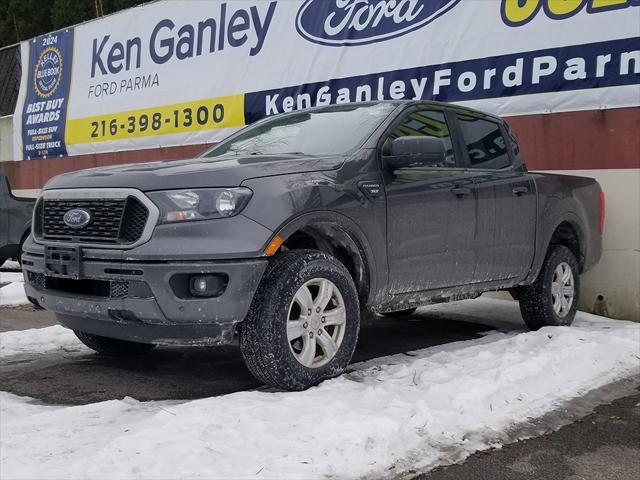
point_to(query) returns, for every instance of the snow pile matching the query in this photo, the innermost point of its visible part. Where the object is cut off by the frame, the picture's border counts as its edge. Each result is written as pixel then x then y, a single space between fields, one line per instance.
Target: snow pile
pixel 13 292
pixel 384 418
pixel 38 341
pixel 11 265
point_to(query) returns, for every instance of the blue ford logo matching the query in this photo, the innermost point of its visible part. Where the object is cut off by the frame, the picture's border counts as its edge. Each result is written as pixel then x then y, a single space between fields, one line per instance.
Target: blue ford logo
pixel 77 218
pixel 356 22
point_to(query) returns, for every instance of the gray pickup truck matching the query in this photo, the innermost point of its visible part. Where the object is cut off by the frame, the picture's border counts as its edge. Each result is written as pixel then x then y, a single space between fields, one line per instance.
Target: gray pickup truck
pixel 288 232
pixel 15 221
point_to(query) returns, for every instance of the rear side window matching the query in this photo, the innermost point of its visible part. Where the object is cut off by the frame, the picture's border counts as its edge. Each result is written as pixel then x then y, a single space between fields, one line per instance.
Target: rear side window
pixel 484 142
pixel 431 123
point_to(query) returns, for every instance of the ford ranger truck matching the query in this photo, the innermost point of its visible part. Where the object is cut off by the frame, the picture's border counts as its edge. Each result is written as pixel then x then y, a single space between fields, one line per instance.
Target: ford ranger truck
pixel 291 230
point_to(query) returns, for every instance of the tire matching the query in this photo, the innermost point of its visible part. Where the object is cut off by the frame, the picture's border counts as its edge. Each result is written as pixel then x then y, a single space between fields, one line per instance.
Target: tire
pixel 399 313
pixel 112 346
pixel 538 302
pixel 283 353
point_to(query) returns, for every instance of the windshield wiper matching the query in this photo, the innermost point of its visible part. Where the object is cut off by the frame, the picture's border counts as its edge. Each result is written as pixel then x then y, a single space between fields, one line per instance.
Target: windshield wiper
pixel 276 153
pixel 256 152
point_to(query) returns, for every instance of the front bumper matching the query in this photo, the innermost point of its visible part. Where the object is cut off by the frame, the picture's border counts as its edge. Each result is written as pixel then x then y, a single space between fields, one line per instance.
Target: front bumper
pixel 138 302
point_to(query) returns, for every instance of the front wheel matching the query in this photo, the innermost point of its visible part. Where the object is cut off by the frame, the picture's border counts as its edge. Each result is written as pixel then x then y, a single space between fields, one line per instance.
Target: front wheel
pixel 112 346
pixel 552 300
pixel 303 323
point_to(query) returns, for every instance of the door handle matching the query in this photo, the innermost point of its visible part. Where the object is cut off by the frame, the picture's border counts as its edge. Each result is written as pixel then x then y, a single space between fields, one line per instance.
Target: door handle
pixel 460 191
pixel 520 190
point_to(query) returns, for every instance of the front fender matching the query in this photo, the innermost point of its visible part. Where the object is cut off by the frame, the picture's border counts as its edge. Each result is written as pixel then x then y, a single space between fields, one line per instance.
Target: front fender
pixel 286 204
pixel 343 223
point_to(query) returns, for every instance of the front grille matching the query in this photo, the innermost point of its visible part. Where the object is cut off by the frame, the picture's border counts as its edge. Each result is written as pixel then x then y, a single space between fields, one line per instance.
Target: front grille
pixel 106 216
pixel 134 221
pixel 113 221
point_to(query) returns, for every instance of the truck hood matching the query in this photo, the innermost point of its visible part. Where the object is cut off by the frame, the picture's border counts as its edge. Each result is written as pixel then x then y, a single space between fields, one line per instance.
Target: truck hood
pixel 193 173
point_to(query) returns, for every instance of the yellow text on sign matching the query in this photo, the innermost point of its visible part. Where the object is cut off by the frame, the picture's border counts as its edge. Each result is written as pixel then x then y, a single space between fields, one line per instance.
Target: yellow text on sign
pixel 520 12
pixel 184 117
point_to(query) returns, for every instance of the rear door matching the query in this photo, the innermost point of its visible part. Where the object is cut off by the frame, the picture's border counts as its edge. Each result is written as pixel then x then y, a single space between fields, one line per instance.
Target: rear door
pixel 430 212
pixel 506 217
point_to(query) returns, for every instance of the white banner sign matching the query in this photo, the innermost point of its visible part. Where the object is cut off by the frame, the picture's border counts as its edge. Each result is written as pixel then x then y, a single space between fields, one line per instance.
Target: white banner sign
pixel 188 72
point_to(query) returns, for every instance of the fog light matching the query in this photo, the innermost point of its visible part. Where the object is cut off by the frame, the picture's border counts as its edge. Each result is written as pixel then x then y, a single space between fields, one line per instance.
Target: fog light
pixel 207 285
pixel 198 285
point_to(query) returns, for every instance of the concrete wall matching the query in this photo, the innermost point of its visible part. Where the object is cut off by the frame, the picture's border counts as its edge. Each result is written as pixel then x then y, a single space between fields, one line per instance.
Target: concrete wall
pixel 6 139
pixel 612 288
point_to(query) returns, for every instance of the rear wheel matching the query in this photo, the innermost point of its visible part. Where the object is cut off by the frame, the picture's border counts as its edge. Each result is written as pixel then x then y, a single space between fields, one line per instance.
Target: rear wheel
pixel 112 346
pixel 303 324
pixel 552 300
pixel 399 313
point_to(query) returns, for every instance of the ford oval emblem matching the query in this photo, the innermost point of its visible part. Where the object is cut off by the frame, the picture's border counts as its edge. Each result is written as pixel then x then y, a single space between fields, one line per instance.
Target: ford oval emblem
pixel 357 22
pixel 77 218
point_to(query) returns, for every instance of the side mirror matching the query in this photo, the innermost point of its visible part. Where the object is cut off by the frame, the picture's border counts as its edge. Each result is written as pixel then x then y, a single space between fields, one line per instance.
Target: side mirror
pixel 422 151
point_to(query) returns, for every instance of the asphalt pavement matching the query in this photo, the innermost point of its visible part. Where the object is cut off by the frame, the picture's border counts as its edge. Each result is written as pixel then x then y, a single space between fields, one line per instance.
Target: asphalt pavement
pixel 24 317
pixel 185 373
pixel 602 446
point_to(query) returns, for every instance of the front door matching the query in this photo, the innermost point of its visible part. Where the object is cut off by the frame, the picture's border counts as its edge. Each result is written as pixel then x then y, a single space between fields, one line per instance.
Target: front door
pixel 430 213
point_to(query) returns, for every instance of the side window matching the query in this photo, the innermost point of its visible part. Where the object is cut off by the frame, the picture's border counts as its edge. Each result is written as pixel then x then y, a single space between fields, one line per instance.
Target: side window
pixel 484 141
pixel 430 123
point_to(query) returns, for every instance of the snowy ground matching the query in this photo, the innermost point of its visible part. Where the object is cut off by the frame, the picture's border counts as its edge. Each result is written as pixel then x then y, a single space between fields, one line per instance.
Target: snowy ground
pixel 11 285
pixel 385 418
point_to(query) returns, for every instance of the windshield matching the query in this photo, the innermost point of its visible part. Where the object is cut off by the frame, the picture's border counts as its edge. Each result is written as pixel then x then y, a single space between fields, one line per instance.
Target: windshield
pixel 328 131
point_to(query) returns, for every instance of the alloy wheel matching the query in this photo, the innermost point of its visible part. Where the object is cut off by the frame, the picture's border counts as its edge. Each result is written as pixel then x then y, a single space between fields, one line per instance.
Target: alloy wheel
pixel 562 289
pixel 316 322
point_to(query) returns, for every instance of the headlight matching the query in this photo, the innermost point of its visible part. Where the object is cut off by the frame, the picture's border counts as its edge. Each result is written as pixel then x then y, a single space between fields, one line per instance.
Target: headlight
pixel 200 204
